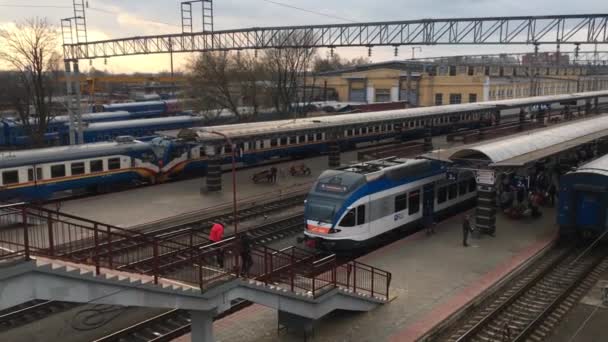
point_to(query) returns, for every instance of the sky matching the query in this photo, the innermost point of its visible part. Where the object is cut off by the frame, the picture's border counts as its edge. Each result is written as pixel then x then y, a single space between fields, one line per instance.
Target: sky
pixel 116 19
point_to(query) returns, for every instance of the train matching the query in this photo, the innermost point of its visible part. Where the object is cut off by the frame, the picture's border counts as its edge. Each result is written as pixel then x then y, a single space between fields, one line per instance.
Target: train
pixel 583 200
pixel 39 174
pixel 354 207
pixel 147 108
pixel 99 127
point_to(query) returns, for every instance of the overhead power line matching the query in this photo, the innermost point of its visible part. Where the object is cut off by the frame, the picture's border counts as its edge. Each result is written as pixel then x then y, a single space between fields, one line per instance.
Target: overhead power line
pixel 309 11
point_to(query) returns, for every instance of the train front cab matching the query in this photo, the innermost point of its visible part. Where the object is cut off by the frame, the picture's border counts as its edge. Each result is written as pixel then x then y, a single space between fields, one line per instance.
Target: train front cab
pixel 583 205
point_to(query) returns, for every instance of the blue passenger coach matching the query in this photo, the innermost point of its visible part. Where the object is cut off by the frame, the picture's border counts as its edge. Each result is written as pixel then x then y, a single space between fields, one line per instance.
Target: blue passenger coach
pixel 583 199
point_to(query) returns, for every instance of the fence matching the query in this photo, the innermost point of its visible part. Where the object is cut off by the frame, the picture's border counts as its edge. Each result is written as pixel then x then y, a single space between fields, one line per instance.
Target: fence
pixel 184 256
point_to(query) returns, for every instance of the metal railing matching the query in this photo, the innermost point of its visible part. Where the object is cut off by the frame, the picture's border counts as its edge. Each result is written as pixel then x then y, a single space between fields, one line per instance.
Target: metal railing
pixel 27 232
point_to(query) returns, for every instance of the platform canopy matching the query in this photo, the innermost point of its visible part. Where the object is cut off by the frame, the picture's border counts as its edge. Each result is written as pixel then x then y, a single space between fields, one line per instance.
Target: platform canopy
pixel 527 147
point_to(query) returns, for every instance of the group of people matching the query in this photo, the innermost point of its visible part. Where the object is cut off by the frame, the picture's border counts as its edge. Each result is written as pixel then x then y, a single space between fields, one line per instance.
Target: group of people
pixel 273 175
pixel 243 246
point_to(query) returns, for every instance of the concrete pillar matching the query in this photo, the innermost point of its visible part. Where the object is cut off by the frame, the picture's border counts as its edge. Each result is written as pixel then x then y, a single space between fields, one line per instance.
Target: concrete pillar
pixel 371 94
pixel 485 213
pixel 497 118
pixel 395 94
pixel 522 118
pixel 333 154
pixel 596 105
pixel 214 170
pixel 428 138
pixel 202 326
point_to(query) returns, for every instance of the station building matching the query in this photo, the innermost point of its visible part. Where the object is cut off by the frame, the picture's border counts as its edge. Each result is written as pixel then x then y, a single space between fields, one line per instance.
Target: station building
pixel 423 84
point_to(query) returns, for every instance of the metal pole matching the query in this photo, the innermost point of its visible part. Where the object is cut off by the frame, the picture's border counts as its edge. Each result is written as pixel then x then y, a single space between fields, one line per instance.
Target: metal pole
pixel 70 100
pixel 234 203
pixel 96 239
pixel 77 108
pixel 110 263
pixel 26 238
pixel 49 223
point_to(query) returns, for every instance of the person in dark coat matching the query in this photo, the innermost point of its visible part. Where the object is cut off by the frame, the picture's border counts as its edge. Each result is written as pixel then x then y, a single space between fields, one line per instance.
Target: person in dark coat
pixel 245 251
pixel 273 174
pixel 551 192
pixel 466 228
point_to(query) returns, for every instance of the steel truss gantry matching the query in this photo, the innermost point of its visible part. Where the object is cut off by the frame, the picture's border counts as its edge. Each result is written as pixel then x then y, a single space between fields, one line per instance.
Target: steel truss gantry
pixel 552 29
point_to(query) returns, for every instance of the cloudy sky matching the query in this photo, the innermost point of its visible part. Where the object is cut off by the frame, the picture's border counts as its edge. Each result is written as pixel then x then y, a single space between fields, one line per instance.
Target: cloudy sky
pixel 114 19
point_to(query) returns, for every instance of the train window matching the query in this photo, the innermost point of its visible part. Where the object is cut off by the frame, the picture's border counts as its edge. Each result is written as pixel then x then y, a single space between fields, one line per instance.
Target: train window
pixel 349 133
pixel 39 173
pixel 293 140
pixel 261 144
pixel 283 141
pixel 442 194
pixel 452 191
pixel 114 164
pixel 10 177
pixel 274 142
pixel 414 202
pixel 57 171
pixel 319 136
pixel 400 203
pixel 376 129
pixel 96 165
pixel 227 148
pixel 462 188
pixel 302 139
pixel 412 123
pixel 349 219
pixel 311 137
pixel 30 175
pixel 472 185
pixel 77 169
pixel 360 215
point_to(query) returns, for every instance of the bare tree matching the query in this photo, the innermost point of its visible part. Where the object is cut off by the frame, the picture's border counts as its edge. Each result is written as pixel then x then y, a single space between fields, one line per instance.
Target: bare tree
pixel 30 48
pixel 336 62
pixel 288 68
pixel 227 81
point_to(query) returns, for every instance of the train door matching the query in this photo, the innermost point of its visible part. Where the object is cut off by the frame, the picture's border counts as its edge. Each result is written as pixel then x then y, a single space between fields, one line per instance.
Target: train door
pixel 589 211
pixel 428 203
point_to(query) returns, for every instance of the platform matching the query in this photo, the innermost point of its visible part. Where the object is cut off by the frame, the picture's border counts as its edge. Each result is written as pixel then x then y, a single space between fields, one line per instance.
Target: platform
pixel 433 276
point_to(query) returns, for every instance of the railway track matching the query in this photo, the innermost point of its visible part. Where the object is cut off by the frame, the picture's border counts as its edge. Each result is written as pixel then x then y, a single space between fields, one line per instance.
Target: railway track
pixel 174 232
pixel 530 305
pixel 31 311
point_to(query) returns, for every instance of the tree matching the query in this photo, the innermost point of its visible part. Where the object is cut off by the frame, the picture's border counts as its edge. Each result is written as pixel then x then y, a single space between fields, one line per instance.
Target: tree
pixel 227 81
pixel 30 48
pixel 288 68
pixel 336 62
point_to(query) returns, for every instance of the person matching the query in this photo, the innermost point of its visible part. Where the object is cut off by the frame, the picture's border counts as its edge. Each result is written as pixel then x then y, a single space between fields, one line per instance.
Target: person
pixel 551 192
pixel 216 235
pixel 246 259
pixel 466 227
pixel 273 174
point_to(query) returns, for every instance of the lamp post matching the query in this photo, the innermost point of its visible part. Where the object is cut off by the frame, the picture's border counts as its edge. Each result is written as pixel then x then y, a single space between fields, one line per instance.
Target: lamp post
pixel 234 204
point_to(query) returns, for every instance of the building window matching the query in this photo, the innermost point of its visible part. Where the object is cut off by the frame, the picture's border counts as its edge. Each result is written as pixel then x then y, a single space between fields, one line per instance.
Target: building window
pixel 452 70
pixel 114 163
pixel 383 95
pixel 438 99
pixel 10 177
pixel 97 165
pixel 472 98
pixel 57 171
pixel 470 71
pixel 455 98
pixel 400 203
pixel 77 169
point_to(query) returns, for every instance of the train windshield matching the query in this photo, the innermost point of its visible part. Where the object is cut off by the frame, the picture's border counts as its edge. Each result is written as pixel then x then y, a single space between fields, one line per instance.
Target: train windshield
pixel 329 194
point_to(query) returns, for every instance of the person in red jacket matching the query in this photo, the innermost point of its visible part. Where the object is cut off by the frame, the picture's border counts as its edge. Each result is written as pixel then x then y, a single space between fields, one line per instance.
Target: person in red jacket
pixel 216 235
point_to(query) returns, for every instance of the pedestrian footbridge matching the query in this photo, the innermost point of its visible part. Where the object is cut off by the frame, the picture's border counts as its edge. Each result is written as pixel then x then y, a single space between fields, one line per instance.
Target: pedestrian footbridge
pixel 51 256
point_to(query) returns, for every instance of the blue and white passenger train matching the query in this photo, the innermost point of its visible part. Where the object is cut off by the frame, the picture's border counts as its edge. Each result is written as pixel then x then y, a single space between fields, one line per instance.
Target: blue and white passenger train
pixel 38 174
pixel 352 207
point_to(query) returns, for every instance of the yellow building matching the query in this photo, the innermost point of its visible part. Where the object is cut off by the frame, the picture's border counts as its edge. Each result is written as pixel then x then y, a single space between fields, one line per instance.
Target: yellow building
pixel 428 85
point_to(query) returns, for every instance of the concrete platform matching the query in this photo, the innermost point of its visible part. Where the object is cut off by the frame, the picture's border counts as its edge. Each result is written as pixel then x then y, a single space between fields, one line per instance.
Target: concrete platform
pixel 433 276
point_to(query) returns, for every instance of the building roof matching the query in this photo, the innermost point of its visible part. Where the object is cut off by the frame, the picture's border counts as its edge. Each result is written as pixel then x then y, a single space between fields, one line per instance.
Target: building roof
pixel 183 119
pixel 400 65
pixel 523 148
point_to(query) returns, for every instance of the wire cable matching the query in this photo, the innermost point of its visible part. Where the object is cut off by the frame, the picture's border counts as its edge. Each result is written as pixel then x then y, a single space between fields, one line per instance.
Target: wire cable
pixel 309 11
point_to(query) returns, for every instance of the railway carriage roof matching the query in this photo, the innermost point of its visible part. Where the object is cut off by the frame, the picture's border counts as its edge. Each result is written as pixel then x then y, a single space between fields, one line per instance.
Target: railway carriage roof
pixel 61 153
pixel 248 130
pixel 102 126
pixel 598 166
